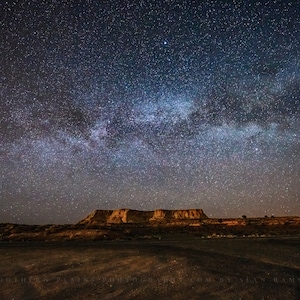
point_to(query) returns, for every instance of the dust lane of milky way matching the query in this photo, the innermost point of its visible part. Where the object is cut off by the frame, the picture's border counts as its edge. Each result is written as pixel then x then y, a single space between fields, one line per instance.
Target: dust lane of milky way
pixel 146 105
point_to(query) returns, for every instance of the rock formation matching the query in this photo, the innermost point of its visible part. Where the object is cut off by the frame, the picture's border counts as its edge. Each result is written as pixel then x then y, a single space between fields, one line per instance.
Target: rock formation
pixel 120 216
pixel 188 214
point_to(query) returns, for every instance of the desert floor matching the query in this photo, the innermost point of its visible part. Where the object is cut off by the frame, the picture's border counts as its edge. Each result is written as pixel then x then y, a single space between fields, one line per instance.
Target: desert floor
pixel 174 267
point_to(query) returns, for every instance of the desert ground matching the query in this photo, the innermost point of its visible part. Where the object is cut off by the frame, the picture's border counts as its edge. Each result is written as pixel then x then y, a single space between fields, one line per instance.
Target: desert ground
pixel 173 266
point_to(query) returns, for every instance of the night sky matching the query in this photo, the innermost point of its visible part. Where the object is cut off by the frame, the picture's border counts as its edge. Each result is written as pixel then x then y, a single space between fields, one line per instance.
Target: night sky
pixel 147 105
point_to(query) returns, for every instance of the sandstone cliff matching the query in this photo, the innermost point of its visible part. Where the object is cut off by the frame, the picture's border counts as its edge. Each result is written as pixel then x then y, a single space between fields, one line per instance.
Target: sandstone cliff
pixel 120 216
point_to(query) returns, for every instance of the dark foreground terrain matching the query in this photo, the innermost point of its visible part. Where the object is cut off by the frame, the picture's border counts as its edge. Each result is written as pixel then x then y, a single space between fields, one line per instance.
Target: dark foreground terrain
pixel 173 266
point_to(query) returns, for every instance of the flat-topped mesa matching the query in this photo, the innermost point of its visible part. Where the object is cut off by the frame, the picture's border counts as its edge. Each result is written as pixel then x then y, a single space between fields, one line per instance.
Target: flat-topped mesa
pixel 120 216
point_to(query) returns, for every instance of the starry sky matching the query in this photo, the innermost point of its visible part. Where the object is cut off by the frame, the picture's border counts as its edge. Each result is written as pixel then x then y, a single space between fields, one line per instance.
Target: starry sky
pixel 148 104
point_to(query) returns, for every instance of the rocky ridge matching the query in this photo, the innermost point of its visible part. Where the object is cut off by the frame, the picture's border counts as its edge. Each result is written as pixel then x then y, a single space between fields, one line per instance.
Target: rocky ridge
pixel 121 216
pixel 126 224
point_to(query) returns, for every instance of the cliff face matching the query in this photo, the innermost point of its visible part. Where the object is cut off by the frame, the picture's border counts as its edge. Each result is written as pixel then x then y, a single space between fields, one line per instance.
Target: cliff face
pixel 120 216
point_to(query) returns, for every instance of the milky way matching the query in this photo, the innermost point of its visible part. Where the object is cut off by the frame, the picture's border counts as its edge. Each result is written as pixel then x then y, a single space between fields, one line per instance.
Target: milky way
pixel 149 104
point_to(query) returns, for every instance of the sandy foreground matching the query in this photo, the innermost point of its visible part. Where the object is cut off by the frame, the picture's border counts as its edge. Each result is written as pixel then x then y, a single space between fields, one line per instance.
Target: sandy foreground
pixel 174 267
